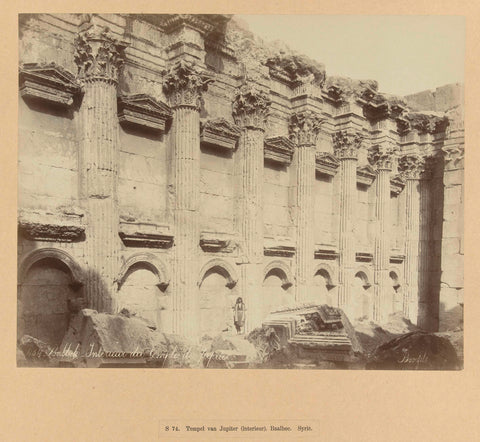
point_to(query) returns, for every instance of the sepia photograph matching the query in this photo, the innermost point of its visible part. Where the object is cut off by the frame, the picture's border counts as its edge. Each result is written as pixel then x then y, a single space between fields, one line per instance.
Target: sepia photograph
pixel 221 191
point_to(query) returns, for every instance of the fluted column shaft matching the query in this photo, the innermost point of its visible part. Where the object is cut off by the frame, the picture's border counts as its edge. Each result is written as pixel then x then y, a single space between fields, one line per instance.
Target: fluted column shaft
pixel 186 177
pixel 305 179
pixel 348 199
pixel 99 58
pixel 183 84
pixel 382 245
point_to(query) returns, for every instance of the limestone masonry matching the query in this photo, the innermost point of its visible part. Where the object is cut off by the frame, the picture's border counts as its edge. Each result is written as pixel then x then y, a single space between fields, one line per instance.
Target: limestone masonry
pixel 169 164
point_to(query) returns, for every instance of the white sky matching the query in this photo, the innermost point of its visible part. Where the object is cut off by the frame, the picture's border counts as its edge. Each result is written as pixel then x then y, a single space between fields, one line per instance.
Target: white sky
pixel 405 54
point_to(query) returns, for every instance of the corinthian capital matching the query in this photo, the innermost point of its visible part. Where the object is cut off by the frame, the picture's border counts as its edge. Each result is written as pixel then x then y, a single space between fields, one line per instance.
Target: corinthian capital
pixel 346 144
pixel 453 155
pixel 304 128
pixel 411 166
pixel 98 55
pixel 184 83
pixel 381 156
pixel 251 107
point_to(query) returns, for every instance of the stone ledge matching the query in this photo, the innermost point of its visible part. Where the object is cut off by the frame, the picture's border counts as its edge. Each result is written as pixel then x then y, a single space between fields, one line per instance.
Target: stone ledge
pixel 150 235
pixel 364 257
pixel 278 150
pixel 48 82
pixel 143 111
pixel 64 225
pixel 219 134
pixel 326 253
pixel 283 247
pixel 217 242
pixel 326 163
pixel 366 175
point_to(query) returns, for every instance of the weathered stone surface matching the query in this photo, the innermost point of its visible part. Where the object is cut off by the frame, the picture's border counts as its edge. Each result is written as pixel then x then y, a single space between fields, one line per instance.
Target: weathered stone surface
pixel 415 351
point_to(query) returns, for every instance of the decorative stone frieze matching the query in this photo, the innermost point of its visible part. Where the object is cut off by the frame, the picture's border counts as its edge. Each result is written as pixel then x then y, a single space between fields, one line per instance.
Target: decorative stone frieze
pixel 61 226
pixel 99 56
pixel 143 111
pixel 203 23
pixel 346 144
pixel 278 150
pixel 219 133
pixel 138 234
pixel 304 128
pixel 184 84
pixel 326 163
pixel 48 82
pixel 251 107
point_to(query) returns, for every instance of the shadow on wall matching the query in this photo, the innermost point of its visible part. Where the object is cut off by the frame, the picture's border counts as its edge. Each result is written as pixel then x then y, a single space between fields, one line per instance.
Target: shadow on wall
pixel 452 319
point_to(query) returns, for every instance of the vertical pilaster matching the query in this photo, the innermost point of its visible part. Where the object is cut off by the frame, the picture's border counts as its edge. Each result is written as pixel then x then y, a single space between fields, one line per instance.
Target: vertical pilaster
pixel 381 156
pixel 250 110
pixel 184 84
pixel 304 129
pixel 346 146
pixel 99 58
pixel 412 166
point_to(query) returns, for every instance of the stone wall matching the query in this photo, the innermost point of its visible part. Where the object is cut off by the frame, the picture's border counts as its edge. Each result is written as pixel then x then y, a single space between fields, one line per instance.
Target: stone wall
pixel 196 164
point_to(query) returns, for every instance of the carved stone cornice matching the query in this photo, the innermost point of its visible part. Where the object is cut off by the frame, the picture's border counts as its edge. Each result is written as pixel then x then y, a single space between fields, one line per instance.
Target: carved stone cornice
pixel 326 254
pixel 184 84
pixel 251 107
pixel 366 175
pixel 453 156
pixel 219 133
pixel 295 70
pixel 279 247
pixel 411 167
pixel 279 150
pixel 364 257
pixel 347 144
pixel 143 111
pixel 397 258
pixel 138 234
pixel 47 82
pixel 203 23
pixel 397 184
pixel 427 123
pixel 215 242
pixel 98 55
pixel 380 107
pixel 61 226
pixel 304 128
pixel 326 163
pixel 381 156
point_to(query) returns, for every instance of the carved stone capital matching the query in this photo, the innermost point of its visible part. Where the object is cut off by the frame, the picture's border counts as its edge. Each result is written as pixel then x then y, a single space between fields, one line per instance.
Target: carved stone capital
pixel 411 166
pixel 47 82
pixel 251 107
pixel 346 144
pixel 304 128
pixel 381 156
pixel 99 56
pixel 453 155
pixel 427 123
pixel 184 84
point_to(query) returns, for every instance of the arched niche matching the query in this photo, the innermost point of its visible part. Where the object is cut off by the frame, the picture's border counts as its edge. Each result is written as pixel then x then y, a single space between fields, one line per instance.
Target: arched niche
pixel 217 295
pixel 361 296
pixel 49 284
pixel 277 287
pixel 142 290
pixel 395 292
pixel 323 289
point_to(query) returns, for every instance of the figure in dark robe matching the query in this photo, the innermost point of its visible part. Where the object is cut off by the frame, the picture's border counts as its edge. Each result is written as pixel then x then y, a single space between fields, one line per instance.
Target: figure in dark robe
pixel 239 315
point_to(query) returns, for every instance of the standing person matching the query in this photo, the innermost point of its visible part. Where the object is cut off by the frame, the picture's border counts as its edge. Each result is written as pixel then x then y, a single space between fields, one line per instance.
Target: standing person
pixel 239 314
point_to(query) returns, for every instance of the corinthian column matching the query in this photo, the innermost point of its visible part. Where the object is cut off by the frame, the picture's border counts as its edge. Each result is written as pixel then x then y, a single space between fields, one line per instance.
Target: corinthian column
pixel 346 146
pixel 412 167
pixel 381 157
pixel 250 110
pixel 304 128
pixel 99 58
pixel 183 85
